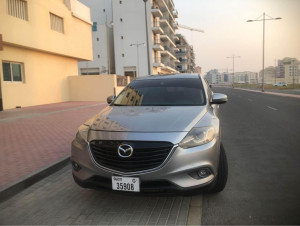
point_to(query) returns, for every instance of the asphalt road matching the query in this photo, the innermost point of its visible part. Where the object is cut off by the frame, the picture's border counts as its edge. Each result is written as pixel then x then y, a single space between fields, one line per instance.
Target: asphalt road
pixel 261 134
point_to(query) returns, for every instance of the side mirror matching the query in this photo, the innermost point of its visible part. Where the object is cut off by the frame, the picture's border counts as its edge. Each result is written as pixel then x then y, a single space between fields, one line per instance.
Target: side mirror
pixel 110 99
pixel 219 98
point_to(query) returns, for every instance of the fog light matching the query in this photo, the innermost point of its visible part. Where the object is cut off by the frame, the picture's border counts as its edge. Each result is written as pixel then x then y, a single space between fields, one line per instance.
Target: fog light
pixel 76 167
pixel 204 172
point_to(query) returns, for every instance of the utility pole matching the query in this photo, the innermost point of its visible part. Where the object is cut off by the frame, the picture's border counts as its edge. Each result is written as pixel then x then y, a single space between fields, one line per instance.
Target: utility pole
pixel 233 57
pixel 293 74
pixel 263 50
pixel 275 71
pixel 137 45
pixel 108 44
pixel 147 38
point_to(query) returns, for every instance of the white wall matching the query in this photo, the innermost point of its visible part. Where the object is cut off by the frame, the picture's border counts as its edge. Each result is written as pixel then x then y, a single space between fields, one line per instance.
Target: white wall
pixel 133 30
pixel 103 48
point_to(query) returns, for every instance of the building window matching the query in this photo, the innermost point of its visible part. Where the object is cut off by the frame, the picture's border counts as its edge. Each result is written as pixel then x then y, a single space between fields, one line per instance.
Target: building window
pixel 123 54
pixel 122 37
pixel 17 8
pixel 12 71
pixel 97 39
pixel 121 19
pixel 120 2
pixel 94 27
pixel 98 56
pixel 103 10
pixel 57 23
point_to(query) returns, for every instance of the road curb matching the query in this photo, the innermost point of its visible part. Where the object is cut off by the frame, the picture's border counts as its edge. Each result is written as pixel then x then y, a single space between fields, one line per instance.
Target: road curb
pixel 195 210
pixel 272 93
pixel 17 186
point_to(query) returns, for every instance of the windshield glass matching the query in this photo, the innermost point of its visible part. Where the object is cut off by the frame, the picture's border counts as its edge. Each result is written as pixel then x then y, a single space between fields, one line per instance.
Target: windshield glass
pixel 162 92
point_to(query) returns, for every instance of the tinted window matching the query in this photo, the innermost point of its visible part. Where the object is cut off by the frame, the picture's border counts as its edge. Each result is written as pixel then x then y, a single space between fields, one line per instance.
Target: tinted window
pixel 162 92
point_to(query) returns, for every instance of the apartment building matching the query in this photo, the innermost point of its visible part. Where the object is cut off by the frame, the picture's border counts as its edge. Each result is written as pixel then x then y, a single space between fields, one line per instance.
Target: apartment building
pixel 102 39
pixel 214 77
pixel 245 77
pixel 42 43
pixel 287 70
pixel 269 75
pixel 132 38
pixel 185 56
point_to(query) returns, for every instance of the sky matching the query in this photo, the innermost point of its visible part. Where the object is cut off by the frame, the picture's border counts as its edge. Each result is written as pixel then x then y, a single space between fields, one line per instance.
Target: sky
pixel 227 33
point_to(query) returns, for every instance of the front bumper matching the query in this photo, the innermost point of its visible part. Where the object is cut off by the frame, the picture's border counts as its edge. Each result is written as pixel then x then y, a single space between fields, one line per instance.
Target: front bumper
pixel 177 174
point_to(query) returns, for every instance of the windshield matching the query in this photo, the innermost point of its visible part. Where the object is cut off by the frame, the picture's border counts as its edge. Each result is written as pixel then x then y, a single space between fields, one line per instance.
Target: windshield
pixel 162 92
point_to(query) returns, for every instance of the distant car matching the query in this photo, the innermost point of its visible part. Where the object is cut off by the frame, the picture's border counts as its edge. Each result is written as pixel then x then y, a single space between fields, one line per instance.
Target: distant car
pixel 280 84
pixel 160 133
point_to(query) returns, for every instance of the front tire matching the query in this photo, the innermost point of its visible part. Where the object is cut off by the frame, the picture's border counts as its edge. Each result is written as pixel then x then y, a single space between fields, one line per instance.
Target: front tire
pixel 220 181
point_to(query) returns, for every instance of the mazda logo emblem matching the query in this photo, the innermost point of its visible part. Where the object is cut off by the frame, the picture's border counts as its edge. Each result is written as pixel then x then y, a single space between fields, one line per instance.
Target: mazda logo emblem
pixel 125 150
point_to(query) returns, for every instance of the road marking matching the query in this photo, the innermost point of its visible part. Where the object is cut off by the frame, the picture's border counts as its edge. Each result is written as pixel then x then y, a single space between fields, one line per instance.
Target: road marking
pixel 272 108
pixel 250 99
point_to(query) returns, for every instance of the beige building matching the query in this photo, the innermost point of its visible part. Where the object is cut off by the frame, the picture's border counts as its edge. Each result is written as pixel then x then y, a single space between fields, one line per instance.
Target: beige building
pixel 246 77
pixel 288 71
pixel 185 56
pixel 42 42
pixel 269 75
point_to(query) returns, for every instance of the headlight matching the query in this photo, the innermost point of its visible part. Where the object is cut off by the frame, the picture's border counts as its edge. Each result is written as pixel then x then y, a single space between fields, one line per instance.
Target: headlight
pixel 82 134
pixel 198 136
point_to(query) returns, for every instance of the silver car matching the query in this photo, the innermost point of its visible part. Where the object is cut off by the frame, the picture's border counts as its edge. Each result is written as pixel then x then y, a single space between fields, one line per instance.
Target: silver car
pixel 160 134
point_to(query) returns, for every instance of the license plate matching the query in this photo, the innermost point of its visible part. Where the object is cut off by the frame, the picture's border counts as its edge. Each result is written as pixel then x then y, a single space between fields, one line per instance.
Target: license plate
pixel 126 183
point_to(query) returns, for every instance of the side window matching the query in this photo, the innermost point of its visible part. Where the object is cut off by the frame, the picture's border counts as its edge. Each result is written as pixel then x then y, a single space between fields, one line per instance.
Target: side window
pixel 18 8
pixel 13 72
pixel 57 23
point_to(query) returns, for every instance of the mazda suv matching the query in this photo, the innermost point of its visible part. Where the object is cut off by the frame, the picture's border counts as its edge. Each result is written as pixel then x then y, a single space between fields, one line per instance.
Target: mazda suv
pixel 161 133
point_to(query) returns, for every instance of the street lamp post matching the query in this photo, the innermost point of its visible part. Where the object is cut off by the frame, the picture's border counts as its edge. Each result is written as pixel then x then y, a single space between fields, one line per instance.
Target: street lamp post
pixel 233 57
pixel 293 70
pixel 137 45
pixel 263 58
pixel 147 38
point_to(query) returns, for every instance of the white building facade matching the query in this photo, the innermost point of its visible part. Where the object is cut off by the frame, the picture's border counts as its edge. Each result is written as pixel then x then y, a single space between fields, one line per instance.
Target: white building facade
pixel 246 77
pixel 102 37
pixel 131 37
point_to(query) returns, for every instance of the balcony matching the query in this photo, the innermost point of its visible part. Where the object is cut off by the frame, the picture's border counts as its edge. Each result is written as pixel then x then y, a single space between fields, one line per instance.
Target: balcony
pixel 157 62
pixel 175 25
pixel 169 66
pixel 166 21
pixel 157 45
pixel 175 13
pixel 181 53
pixel 156 11
pixel 167 51
pixel 167 38
pixel 156 28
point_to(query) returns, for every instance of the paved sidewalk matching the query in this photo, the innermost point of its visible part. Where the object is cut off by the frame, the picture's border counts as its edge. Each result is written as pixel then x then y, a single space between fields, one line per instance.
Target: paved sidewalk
pixel 34 137
pixel 57 200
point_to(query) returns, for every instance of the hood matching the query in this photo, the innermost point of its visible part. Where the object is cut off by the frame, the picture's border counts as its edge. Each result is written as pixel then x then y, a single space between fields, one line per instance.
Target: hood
pixel 147 119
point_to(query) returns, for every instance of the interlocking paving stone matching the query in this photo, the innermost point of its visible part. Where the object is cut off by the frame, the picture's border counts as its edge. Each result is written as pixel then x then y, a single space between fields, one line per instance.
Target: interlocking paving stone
pixel 35 137
pixel 58 200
